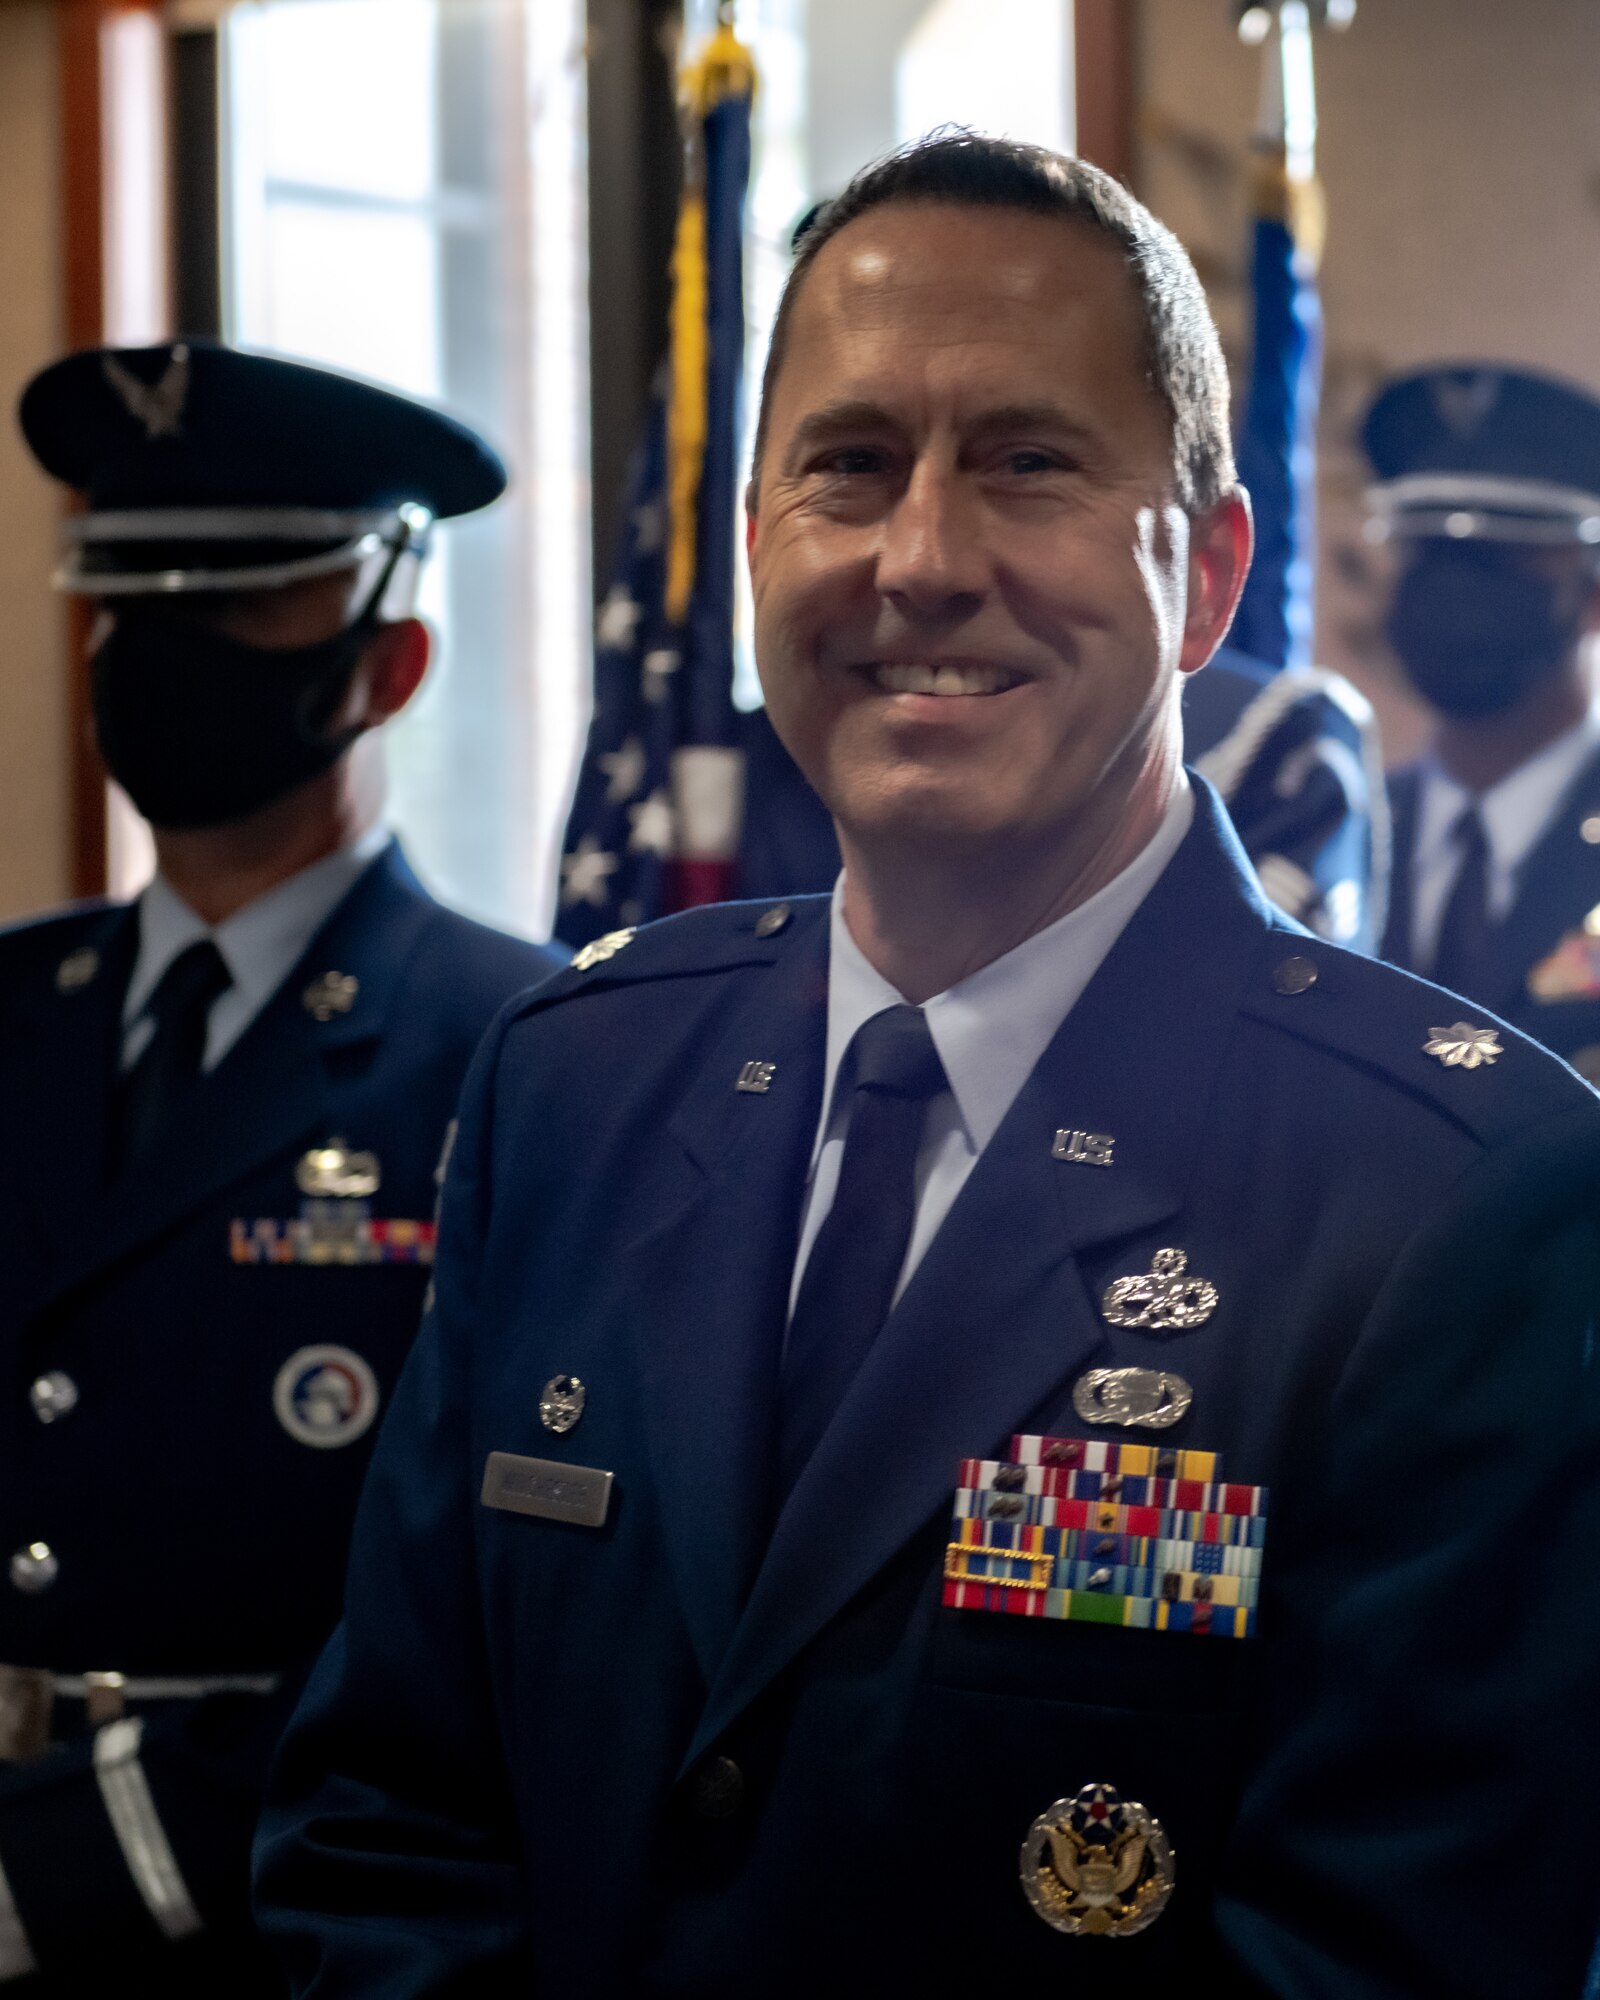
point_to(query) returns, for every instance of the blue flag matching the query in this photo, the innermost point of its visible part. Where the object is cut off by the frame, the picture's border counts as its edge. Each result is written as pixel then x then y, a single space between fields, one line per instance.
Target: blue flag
pixel 655 821
pixel 1277 447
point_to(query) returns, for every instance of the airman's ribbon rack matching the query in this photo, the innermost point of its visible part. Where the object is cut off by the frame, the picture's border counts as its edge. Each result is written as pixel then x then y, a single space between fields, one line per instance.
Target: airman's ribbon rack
pixel 301 1241
pixel 1085 1530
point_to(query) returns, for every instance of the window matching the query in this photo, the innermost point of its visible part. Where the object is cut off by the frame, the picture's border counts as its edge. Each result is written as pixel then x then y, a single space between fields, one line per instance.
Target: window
pixel 405 199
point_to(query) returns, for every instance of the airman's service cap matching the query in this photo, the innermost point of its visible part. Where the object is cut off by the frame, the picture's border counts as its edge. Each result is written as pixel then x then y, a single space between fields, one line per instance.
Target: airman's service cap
pixel 1474 449
pixel 208 468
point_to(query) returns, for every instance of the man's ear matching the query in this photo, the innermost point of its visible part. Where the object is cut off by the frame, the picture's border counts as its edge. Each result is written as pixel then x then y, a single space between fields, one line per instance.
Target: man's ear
pixel 1220 542
pixel 393 663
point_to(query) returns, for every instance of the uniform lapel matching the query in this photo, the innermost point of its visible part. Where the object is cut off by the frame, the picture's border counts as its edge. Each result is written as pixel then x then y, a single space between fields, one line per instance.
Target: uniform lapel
pixel 64 1046
pixel 709 1284
pixel 997 1321
pixel 268 1093
pixel 1558 885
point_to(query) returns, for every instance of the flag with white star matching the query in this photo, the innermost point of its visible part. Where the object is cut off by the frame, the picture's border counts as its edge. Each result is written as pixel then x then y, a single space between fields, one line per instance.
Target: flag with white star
pixel 656 818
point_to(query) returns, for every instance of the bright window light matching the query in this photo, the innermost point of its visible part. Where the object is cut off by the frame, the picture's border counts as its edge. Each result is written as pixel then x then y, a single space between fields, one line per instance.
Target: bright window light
pixel 406 199
pixel 1001 66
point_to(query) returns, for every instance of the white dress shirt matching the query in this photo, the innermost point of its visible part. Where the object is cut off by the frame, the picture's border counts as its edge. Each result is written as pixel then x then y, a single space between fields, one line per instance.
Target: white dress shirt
pixel 990 1030
pixel 1515 814
pixel 260 944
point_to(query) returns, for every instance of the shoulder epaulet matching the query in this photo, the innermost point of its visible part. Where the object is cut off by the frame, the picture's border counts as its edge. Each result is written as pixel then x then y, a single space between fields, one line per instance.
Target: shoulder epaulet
pixel 36 941
pixel 24 933
pixel 50 960
pixel 714 938
pixel 1479 1071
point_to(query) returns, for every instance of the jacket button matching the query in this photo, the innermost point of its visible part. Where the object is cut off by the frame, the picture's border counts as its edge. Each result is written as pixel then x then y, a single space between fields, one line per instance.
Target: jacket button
pixel 34 1568
pixel 717 1788
pixel 770 922
pixel 1294 975
pixel 53 1395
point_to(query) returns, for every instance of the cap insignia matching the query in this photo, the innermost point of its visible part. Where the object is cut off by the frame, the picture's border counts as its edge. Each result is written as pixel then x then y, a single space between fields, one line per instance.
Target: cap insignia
pixel 156 405
pixel 1462 402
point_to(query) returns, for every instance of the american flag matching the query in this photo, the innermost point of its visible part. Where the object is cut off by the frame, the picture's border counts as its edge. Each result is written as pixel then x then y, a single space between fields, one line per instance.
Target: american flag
pixel 656 819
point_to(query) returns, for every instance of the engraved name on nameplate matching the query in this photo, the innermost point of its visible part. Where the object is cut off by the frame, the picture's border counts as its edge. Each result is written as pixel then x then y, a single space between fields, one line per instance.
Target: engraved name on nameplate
pixel 547 1489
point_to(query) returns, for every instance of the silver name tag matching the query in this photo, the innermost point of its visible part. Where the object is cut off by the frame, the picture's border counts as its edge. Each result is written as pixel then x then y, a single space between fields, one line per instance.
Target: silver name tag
pixel 547 1489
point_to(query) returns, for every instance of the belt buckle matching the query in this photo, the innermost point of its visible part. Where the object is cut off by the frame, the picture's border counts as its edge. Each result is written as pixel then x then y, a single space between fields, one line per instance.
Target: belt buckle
pixel 27 1695
pixel 104 1698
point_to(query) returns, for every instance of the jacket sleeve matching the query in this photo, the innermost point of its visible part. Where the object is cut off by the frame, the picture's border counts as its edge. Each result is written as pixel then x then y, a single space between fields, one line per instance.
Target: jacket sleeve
pixel 117 1846
pixel 387 1860
pixel 1422 1811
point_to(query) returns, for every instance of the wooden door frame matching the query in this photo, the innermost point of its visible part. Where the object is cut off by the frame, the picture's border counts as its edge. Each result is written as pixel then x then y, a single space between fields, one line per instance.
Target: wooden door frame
pixel 81 111
pixel 1105 87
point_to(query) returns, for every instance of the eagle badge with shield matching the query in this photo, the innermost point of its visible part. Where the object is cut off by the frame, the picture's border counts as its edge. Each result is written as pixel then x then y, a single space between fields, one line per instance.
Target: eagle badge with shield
pixel 1097 1865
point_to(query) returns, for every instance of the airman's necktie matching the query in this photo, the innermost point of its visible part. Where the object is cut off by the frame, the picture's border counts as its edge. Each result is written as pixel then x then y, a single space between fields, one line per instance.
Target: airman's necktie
pixel 1461 960
pixel 169 1064
pixel 892 1070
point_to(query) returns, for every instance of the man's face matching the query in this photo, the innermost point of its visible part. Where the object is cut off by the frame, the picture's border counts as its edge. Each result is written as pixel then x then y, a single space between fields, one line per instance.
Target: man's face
pixel 968 564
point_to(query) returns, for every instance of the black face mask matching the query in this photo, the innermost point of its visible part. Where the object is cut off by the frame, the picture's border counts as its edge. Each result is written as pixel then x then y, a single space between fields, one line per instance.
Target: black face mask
pixel 199 730
pixel 1477 628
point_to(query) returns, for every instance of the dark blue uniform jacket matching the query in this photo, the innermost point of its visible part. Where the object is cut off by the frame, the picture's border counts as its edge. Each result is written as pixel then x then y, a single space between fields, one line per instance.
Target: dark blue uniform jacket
pixel 195 1535
pixel 1557 888
pixel 696 1752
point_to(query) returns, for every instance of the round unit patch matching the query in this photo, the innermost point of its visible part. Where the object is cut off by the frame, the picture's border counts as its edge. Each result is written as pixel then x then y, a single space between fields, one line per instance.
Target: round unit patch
pixel 325 1396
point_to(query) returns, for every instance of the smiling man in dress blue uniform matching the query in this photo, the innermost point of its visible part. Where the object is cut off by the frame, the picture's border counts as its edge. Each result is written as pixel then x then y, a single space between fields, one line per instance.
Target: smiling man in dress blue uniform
pixel 1028 1425
pixel 1294 755
pixel 224 1107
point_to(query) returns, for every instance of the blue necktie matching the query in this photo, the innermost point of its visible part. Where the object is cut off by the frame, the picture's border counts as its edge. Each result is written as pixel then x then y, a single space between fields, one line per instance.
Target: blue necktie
pixel 169 1064
pixel 892 1070
pixel 1462 957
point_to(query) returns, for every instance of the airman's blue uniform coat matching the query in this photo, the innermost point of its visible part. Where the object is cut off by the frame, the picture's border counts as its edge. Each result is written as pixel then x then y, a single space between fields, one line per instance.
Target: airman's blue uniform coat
pixel 504 1778
pixel 1558 886
pixel 195 1535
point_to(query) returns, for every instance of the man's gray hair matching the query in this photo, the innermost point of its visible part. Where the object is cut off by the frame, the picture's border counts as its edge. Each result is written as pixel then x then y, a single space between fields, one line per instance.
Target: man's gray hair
pixel 1183 356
